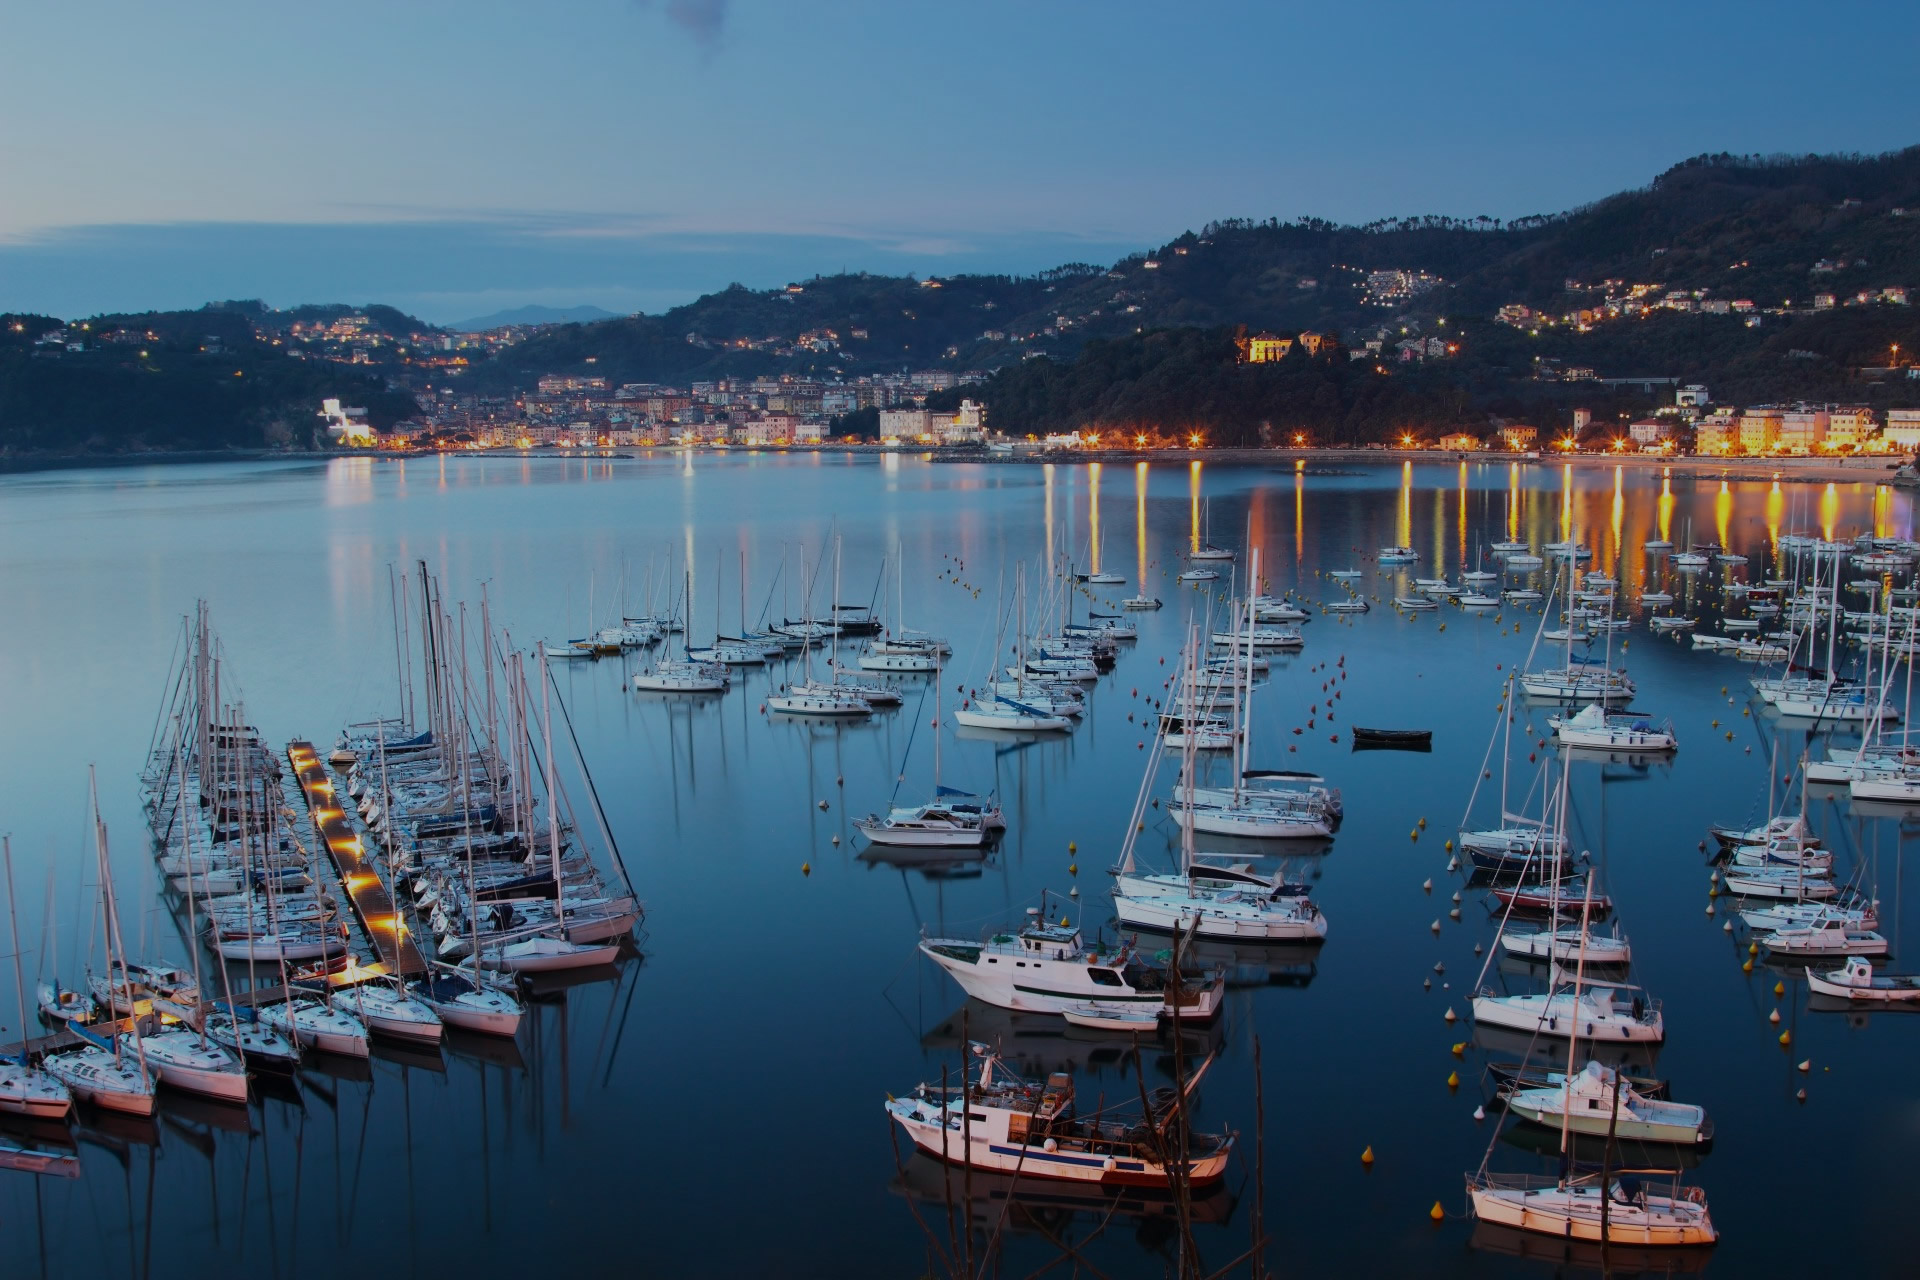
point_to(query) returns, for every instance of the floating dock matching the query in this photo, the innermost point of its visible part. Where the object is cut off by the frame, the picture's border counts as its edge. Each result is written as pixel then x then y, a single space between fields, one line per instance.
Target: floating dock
pixel 382 920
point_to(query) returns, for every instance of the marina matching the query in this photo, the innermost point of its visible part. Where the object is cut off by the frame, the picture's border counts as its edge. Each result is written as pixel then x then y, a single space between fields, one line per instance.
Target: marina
pixel 1289 914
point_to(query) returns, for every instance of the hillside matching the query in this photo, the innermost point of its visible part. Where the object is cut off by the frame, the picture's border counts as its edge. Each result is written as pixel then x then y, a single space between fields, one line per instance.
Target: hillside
pixel 1736 228
pixel 168 393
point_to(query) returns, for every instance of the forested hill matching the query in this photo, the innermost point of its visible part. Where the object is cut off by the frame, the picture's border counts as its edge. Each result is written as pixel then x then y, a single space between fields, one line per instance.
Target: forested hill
pixel 1765 230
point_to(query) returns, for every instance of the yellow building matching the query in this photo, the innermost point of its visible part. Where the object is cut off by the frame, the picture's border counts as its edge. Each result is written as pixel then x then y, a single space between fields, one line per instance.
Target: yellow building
pixel 1520 438
pixel 1715 433
pixel 1314 341
pixel 1264 348
pixel 1759 429
pixel 1459 440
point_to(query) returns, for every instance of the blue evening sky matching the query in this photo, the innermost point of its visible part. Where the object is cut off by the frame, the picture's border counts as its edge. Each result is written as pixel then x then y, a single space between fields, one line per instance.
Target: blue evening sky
pixel 454 159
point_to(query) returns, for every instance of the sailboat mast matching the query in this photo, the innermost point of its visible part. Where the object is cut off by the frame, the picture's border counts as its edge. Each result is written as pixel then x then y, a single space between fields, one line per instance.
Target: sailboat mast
pixel 13 927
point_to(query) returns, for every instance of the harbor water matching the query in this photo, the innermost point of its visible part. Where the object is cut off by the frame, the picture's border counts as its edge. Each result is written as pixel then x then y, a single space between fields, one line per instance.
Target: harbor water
pixel 713 1105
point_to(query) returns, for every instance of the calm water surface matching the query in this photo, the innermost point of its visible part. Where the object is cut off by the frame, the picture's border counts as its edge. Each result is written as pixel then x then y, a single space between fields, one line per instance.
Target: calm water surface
pixel 715 1109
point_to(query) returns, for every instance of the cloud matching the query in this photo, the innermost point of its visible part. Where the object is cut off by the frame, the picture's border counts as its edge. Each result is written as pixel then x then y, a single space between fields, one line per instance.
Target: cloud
pixel 704 20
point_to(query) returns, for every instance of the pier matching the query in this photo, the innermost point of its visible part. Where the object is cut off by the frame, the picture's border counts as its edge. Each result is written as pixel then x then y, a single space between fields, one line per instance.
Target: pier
pixel 382 921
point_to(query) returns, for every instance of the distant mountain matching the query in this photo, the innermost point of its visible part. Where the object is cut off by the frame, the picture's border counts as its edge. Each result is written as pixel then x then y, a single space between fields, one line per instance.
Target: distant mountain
pixel 534 315
pixel 1760 228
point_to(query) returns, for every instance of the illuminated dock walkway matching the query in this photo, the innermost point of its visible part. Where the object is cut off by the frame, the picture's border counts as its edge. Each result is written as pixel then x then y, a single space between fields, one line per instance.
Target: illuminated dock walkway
pixel 385 925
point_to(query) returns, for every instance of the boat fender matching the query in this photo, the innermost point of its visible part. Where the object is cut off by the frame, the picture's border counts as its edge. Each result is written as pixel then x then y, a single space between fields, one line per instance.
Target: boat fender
pixel 1050 1145
pixel 1108 1164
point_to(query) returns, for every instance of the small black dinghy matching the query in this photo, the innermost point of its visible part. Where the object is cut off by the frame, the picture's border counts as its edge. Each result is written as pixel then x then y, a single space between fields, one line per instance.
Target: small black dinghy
pixel 1392 739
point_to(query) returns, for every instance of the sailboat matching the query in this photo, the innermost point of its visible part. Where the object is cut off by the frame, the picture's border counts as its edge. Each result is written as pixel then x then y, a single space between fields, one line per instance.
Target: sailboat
pixel 953 819
pixel 996 710
pixel 24 1089
pixel 905 650
pixel 686 675
pixel 814 698
pixel 1192 902
pixel 728 651
pixel 1206 550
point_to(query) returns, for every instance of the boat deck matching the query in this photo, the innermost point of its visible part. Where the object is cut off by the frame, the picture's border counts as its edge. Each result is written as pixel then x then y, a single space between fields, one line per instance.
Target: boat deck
pixel 384 926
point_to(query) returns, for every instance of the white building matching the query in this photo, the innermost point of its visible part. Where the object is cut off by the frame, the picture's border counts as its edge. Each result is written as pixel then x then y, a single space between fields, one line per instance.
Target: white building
pixel 345 425
pixel 1903 428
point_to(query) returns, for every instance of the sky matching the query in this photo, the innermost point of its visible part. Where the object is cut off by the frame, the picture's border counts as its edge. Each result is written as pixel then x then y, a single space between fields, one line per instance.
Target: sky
pixel 456 159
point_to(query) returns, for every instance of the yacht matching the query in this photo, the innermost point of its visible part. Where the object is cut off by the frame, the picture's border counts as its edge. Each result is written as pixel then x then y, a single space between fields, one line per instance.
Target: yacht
pixel 1044 967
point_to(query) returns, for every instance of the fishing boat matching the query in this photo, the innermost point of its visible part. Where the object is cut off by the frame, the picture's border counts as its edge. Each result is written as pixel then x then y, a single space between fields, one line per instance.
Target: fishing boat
pixel 1045 967
pixel 1000 1123
pixel 1598 1102
pixel 1595 726
pixel 1856 981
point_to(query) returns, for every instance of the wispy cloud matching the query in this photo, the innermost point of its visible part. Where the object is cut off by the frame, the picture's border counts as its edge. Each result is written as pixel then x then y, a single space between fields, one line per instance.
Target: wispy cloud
pixel 704 20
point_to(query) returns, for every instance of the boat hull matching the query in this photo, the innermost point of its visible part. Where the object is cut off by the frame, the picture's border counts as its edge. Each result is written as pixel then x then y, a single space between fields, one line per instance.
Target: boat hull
pixel 1574 1215
pixel 952 1147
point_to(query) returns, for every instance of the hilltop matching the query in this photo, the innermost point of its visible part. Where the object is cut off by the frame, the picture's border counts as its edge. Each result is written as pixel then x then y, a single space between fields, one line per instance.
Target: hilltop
pixel 1759 229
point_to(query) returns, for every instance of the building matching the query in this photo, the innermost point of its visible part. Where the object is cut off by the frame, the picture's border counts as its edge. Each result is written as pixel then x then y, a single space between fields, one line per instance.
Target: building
pixel 1264 348
pixel 1582 419
pixel 1850 428
pixel 1460 441
pixel 1758 429
pixel 1649 431
pixel 1716 433
pixel 1520 438
pixel 1801 431
pixel 903 424
pixel 346 425
pixel 1692 396
pixel 1903 429
pixel 1312 342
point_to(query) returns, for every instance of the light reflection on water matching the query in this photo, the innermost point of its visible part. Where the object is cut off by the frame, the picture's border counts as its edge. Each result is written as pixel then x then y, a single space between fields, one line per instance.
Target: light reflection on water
pixel 724 1092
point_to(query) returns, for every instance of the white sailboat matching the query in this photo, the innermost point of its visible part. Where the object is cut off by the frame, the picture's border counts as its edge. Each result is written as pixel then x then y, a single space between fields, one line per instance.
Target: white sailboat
pixel 684 675
pixel 828 699
pixel 993 710
pixel 953 819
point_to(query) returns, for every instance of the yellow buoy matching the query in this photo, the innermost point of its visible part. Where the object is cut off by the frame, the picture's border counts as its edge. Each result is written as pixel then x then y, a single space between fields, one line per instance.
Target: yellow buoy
pixel 1747 967
pixel 1779 988
pixel 1073 868
pixel 1453 1079
pixel 1366 1157
pixel 1072 847
pixel 806 868
pixel 1423 824
pixel 1437 1213
pixel 1449 846
pixel 1753 948
pixel 1413 835
pixel 1786 1037
pixel 1460 1049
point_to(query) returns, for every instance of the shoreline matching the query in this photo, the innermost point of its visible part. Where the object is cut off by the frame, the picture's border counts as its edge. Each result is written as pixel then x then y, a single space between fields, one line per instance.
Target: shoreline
pixel 1878 469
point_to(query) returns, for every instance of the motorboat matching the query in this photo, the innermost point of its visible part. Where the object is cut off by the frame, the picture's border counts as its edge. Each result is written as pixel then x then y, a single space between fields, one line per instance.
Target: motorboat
pixel 1597 1102
pixel 1354 604
pixel 1415 604
pixel 1045 967
pixel 952 820
pixel 1398 555
pixel 1140 603
pixel 1856 981
pixel 1198 575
